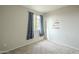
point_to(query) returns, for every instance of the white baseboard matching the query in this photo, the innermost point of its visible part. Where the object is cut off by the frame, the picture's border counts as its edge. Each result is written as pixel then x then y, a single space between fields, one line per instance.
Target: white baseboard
pixel 63 44
pixel 1 52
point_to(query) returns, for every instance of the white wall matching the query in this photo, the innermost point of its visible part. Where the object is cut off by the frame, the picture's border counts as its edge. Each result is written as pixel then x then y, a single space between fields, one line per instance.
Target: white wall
pixel 0 26
pixel 68 32
pixel 14 23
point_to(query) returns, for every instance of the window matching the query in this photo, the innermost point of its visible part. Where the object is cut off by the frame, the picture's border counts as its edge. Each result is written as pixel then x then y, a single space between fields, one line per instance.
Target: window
pixel 35 24
pixel 38 24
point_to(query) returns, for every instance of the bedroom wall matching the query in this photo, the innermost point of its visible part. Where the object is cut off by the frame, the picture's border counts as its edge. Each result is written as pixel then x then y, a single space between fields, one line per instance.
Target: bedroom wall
pixel 66 32
pixel 0 26
pixel 14 23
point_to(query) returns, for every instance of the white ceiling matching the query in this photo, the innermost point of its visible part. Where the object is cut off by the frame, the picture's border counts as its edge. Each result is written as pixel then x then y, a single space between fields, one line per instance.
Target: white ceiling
pixel 44 8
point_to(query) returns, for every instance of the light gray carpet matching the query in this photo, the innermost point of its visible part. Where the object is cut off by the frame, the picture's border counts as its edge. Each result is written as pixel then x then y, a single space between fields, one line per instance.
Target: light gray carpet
pixel 44 47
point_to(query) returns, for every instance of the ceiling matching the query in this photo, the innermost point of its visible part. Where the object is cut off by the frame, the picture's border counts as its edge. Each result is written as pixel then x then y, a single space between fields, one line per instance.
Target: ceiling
pixel 44 8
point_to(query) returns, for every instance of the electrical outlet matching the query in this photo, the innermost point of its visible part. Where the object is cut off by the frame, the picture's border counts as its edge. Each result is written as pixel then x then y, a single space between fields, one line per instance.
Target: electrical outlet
pixel 5 45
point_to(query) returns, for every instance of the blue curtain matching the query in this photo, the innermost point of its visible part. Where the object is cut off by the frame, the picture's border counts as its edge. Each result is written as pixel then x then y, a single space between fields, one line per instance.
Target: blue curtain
pixel 42 28
pixel 30 33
